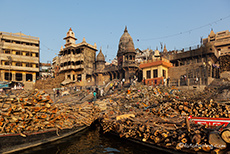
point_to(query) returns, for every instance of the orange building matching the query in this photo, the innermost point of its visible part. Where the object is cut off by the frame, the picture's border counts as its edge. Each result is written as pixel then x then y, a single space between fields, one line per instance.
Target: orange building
pixel 155 70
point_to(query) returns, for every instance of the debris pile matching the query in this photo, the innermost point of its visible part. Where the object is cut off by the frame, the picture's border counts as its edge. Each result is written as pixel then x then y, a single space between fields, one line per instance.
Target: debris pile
pixel 35 111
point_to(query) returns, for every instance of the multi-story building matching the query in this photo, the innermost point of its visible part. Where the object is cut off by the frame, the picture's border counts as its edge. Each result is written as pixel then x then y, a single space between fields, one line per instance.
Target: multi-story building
pixel 220 40
pixel 19 58
pixel 195 63
pixel 55 66
pixel 77 61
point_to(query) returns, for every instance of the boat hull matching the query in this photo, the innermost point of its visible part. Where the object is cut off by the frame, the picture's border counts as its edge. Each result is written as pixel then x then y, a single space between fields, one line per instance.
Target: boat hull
pixel 10 143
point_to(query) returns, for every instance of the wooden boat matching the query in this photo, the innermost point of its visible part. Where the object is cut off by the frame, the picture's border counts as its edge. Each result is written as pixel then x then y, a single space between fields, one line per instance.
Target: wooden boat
pixel 10 143
pixel 151 145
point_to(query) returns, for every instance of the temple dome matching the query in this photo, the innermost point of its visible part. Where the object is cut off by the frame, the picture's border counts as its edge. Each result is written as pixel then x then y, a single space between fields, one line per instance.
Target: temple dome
pixel 126 43
pixel 100 56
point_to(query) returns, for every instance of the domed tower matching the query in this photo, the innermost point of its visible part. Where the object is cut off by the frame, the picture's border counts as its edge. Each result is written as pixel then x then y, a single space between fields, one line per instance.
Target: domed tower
pixel 100 61
pixel 70 38
pixel 126 56
pixel 100 66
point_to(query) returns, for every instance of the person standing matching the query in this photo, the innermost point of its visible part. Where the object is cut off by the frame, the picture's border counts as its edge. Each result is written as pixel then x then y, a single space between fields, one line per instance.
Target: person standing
pixel 58 92
pixel 168 79
pixel 164 82
pixel 95 96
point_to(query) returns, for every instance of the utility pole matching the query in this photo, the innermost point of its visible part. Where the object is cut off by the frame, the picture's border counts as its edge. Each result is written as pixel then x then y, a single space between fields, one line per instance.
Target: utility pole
pixel 10 62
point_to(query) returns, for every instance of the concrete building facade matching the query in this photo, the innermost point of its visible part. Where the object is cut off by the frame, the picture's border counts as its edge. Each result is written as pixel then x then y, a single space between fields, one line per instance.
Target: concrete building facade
pixel 77 61
pixel 220 40
pixel 19 58
pixel 197 63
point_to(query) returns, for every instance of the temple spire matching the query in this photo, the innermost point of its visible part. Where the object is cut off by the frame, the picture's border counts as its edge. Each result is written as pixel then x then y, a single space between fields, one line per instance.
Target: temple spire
pixel 125 29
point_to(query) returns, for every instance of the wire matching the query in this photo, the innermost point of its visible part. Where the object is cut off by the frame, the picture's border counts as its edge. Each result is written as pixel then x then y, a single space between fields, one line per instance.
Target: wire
pixel 48 47
pixel 188 31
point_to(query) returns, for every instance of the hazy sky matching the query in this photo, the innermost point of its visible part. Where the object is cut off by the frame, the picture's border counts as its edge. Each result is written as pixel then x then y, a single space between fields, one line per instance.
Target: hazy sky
pixel 176 23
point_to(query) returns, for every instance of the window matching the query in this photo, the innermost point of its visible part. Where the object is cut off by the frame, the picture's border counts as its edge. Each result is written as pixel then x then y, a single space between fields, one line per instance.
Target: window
pixel 155 73
pixel 148 73
pixel 164 73
pixel 8 76
pixel 79 77
pixel 18 76
pixel 29 77
pixel 7 63
pixel 7 51
pixel 18 64
pixel 17 52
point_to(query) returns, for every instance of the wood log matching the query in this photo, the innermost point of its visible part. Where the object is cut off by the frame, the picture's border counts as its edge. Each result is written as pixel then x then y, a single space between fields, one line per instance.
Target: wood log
pixel 216 141
pixel 225 134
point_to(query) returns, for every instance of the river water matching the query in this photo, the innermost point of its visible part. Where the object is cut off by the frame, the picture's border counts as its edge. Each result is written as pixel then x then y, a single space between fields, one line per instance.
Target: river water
pixel 92 142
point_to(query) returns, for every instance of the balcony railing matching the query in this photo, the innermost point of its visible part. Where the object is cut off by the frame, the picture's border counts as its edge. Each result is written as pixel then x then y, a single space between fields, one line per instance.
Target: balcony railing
pixel 19 68
pixel 130 64
pixel 155 60
pixel 71 67
pixel 19 58
pixel 71 57
pixel 18 35
pixel 20 47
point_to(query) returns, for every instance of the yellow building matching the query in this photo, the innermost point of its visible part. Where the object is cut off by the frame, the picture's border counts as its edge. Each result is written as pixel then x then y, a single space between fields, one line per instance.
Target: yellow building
pixel 155 70
pixel 19 58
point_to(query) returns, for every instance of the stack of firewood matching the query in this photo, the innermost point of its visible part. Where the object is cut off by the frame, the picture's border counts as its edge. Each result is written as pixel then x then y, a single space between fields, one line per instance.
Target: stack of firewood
pixel 210 109
pixel 35 111
pixel 172 133
pixel 159 116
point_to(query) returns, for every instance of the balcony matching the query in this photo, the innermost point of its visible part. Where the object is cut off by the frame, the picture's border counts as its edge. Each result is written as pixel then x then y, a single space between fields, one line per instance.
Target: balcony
pixel 223 41
pixel 71 67
pixel 20 58
pixel 130 64
pixel 20 47
pixel 19 68
pixel 71 57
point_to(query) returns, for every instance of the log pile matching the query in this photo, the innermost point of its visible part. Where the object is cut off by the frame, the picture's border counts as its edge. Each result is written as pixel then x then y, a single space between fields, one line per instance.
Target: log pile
pixel 35 111
pixel 209 109
pixel 159 116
